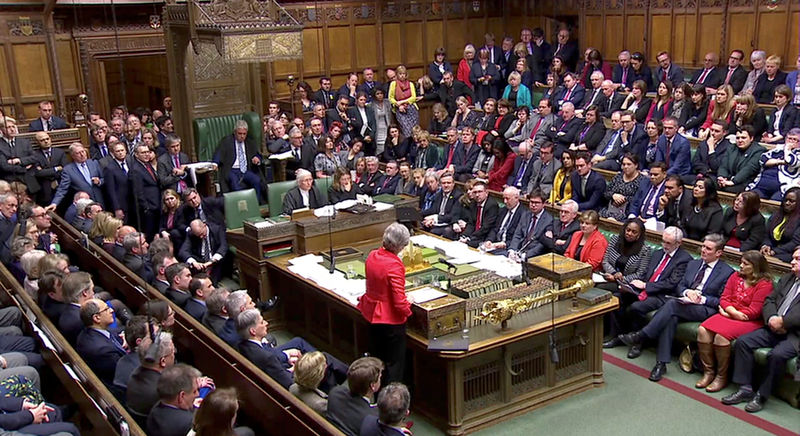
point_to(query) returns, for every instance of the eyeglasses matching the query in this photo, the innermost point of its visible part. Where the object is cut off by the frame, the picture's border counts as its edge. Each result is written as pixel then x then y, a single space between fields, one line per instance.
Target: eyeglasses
pixel 103 310
pixel 736 58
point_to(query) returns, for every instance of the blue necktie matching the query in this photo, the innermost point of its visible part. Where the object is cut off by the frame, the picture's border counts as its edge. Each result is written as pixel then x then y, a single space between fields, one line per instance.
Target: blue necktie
pixel 520 173
pixel 240 156
pixel 611 143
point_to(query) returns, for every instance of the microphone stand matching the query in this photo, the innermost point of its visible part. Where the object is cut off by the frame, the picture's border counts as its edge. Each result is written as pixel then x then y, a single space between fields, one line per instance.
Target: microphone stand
pixel 330 240
pixel 551 337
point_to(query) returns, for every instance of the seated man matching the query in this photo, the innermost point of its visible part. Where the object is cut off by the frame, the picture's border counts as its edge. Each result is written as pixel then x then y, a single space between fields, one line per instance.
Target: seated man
pixel 135 331
pixel 524 166
pixel 87 210
pixel 645 203
pixel 508 217
pixel 239 161
pixel 78 288
pixel 305 194
pixel 200 287
pixel 567 224
pixel 388 183
pixel 699 291
pixel 373 176
pixel 588 186
pixel 279 139
pixel 350 403
pixel 177 389
pixel 674 203
pixel 782 315
pixel 18 416
pixel 394 403
pixel 482 217
pixel 136 258
pixel 72 211
pixel 51 294
pixel 179 276
pixel 142 393
pixel 217 314
pixel 204 249
pixel 544 169
pixel 161 261
pixel 439 216
pixel 674 149
pixel 100 348
pixel 528 240
pixel 278 361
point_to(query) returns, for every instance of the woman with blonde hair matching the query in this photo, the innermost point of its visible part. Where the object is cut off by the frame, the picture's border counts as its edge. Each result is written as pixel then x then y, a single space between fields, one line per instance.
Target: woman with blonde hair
pixel 746 111
pixel 309 371
pixel 30 264
pixel 767 82
pixel 440 121
pixel 95 231
pixel 719 108
pixel 465 65
pixel 170 205
pixel 108 232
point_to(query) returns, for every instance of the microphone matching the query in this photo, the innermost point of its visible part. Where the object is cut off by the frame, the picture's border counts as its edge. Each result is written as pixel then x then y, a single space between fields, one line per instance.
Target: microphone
pixel 444 261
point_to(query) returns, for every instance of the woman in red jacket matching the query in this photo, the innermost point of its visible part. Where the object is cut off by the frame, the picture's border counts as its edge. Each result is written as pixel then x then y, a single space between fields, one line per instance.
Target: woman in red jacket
pixel 385 305
pixel 588 245
pixel 503 165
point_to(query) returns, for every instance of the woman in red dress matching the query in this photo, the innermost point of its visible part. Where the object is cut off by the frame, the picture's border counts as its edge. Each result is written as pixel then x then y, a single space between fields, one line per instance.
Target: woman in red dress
pixel 739 314
pixel 588 245
pixel 385 305
pixel 503 165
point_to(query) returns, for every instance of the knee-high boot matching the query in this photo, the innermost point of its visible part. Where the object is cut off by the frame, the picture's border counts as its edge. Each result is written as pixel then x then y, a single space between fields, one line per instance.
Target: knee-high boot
pixel 723 354
pixel 706 352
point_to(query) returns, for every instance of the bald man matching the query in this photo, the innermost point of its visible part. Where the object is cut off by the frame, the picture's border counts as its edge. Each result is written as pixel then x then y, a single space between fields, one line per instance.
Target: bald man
pixel 49 164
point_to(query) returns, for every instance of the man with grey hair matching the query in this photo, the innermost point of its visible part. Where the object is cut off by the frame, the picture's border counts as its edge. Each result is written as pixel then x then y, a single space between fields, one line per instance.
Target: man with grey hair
pixel 394 404
pixel 506 224
pixel 239 161
pixel 373 176
pixel 87 209
pixel 563 229
pixel 305 194
pixel 204 249
pixel 565 129
pixel 699 292
pixel 278 141
pixel 594 96
pixel 171 168
pixel 236 303
pixel 83 174
pixel 8 218
pixel 142 391
pixel 666 268
pixel 303 154
pixel 136 258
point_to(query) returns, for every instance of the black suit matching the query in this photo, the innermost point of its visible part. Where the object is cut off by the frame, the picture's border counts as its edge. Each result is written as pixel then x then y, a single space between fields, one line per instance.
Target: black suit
pixel 46 173
pixel 147 194
pixel 518 180
pixel 713 79
pixel 117 189
pixel 616 76
pixel 561 233
pixel 356 122
pixel 737 80
pixel 448 95
pixel 347 411
pixel 225 156
pixel 785 345
pixel 611 104
pixel 267 361
pixel 212 208
pixel 169 421
pixel 592 198
pixel 307 154
pixel 675 210
pixel 568 52
pixel 101 353
pixel 752 233
pixel 19 172
pixel 532 244
pixel 665 284
pixel 325 98
pixel 488 221
pixel 294 200
pixel 593 135
pixel 141 394
pixel 504 229
pixel 707 164
pixel 445 215
pixel 387 184
pixel 563 133
pixel 192 248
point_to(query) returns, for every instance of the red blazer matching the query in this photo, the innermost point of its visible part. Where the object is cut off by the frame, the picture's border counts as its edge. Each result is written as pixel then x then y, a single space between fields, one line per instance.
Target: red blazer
pixel 499 173
pixel 385 301
pixel 709 115
pixel 462 73
pixel 593 251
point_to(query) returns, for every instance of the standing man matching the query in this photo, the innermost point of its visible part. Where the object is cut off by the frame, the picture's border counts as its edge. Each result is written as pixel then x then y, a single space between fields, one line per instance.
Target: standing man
pixel 146 191
pixel 83 174
pixel 369 84
pixel 172 172
pixel 49 164
pixel 239 161
pixel 566 49
pixel 386 306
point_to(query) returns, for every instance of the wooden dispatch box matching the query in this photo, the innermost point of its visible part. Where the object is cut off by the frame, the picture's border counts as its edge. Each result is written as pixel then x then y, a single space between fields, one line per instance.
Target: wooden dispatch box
pixel 559 269
pixel 439 317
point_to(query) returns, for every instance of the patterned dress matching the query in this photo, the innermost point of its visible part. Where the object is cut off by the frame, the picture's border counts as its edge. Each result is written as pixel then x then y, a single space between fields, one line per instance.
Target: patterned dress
pixel 618 185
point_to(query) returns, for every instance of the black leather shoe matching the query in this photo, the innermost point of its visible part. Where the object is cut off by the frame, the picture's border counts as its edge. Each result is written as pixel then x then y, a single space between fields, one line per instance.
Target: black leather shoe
pixel 737 397
pixel 634 338
pixel 658 371
pixel 635 351
pixel 612 343
pixel 756 404
pixel 269 304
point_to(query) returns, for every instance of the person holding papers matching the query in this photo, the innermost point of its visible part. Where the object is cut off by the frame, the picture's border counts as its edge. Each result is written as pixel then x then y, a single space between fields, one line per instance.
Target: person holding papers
pixel 305 194
pixel 385 305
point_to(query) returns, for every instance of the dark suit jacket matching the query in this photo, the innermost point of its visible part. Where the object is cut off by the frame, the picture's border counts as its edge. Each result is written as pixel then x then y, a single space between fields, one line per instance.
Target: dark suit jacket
pixel 448 95
pixel 293 200
pixel 193 246
pixel 713 287
pixel 488 89
pixel 680 154
pixel 70 324
pixel 195 308
pixel 595 187
pixel 266 359
pixel 791 321
pixel 526 176
pixel 447 216
pixel 564 133
pixel 708 164
pixel 213 208
pixel 575 97
pixel 177 296
pixel 58 123
pixel 169 421
pixel 464 160
pixel 100 353
pixel 72 181
pixel 145 189
pixel 536 245
pixel 95 152
pixel 387 184
pixel 790 117
pixel 225 156
pixel 215 323
pixel 496 234
pixel 12 416
pixel 611 104
pixel 672 274
pixel 46 169
pixel 742 166
pixel 616 76
pixel 139 266
pixel 166 163
pixel 635 206
pixel 488 220
pixel 356 122
pixel 117 187
pixel 600 99
pixel 564 234
pixel 141 394
pixel 307 154
pixel 332 115
pixel 764 91
pixel 675 75
pixel 751 234
pixel 328 99
pixel 22 150
pixel 738 78
pixel 674 211
pixel 713 79
pixel 367 89
pixel 593 137
pixel 346 411
pixel 568 52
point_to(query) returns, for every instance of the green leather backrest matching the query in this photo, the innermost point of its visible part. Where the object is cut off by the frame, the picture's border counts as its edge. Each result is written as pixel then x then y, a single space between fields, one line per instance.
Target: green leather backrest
pixel 239 206
pixel 275 193
pixel 322 185
pixel 208 132
pixel 536 97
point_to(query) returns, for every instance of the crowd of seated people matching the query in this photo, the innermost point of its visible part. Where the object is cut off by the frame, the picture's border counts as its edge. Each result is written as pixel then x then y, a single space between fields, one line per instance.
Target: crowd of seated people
pixel 130 191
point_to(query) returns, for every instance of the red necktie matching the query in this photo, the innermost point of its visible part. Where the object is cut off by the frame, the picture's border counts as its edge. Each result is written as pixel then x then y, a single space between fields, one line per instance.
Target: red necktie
pixel 566 96
pixel 702 78
pixel 664 75
pixel 149 169
pixel 660 268
pixel 536 127
pixel 450 155
pixel 624 76
pixel 478 219
pixel 728 77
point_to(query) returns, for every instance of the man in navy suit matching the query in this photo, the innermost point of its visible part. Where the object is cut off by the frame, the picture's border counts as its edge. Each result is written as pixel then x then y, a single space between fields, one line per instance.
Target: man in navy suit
pixel 200 287
pixel 439 216
pixel 482 217
pixel 49 164
pixel 278 360
pixel 699 292
pixel 99 347
pixel 464 156
pixel 735 75
pixel 116 179
pixel 645 202
pixel 622 73
pixel 665 270
pixel 77 289
pixel 710 75
pixel 146 191
pixel 394 402
pixel 674 149
pixel 530 234
pixel 204 249
pixel 612 100
pixel 523 167
pixel 564 129
pixel 172 172
pixel 667 70
pixel 633 137
pixel 99 147
pixel 452 140
pixel 83 174
pixel 572 92
pixel 239 161
pixel 173 414
pixel 387 183
pixel 369 83
pixel 507 221
pixel 587 186
pixel 47 121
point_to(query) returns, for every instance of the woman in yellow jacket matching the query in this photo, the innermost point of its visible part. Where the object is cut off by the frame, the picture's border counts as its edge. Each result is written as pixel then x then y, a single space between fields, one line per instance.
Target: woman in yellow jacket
pixel 562 188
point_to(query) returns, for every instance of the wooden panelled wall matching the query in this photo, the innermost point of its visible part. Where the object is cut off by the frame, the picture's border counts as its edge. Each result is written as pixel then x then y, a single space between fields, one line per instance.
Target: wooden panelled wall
pixel 26 64
pixel 690 28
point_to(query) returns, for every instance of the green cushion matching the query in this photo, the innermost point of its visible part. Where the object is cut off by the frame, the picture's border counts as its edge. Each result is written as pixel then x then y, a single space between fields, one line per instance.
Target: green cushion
pixel 208 132
pixel 275 193
pixel 239 206
pixel 322 185
pixel 536 96
pixel 687 332
pixel 761 359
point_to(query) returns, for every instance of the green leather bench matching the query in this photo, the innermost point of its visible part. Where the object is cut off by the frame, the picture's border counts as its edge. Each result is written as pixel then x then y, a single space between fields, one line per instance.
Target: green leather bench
pixel 276 191
pixel 208 132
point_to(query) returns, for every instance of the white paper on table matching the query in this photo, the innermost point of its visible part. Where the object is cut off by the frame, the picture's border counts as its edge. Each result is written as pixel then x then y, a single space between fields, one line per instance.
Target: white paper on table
pixel 654 224
pixel 324 211
pixel 281 156
pixel 344 204
pixel 426 294
pixel 263 224
pixel 382 206
pixel 200 167
pixel 305 259
pixel 364 199
pixel 598 278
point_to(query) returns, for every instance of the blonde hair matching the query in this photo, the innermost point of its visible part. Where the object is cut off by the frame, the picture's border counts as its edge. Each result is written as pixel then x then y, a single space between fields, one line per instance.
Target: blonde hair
pixel 721 112
pixel 310 370
pixel 775 60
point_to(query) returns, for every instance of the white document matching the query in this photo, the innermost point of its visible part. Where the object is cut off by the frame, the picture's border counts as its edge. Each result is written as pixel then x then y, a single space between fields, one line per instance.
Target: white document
pixel 654 224
pixel 598 278
pixel 426 294
pixel 281 156
pixel 324 211
pixel 382 206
